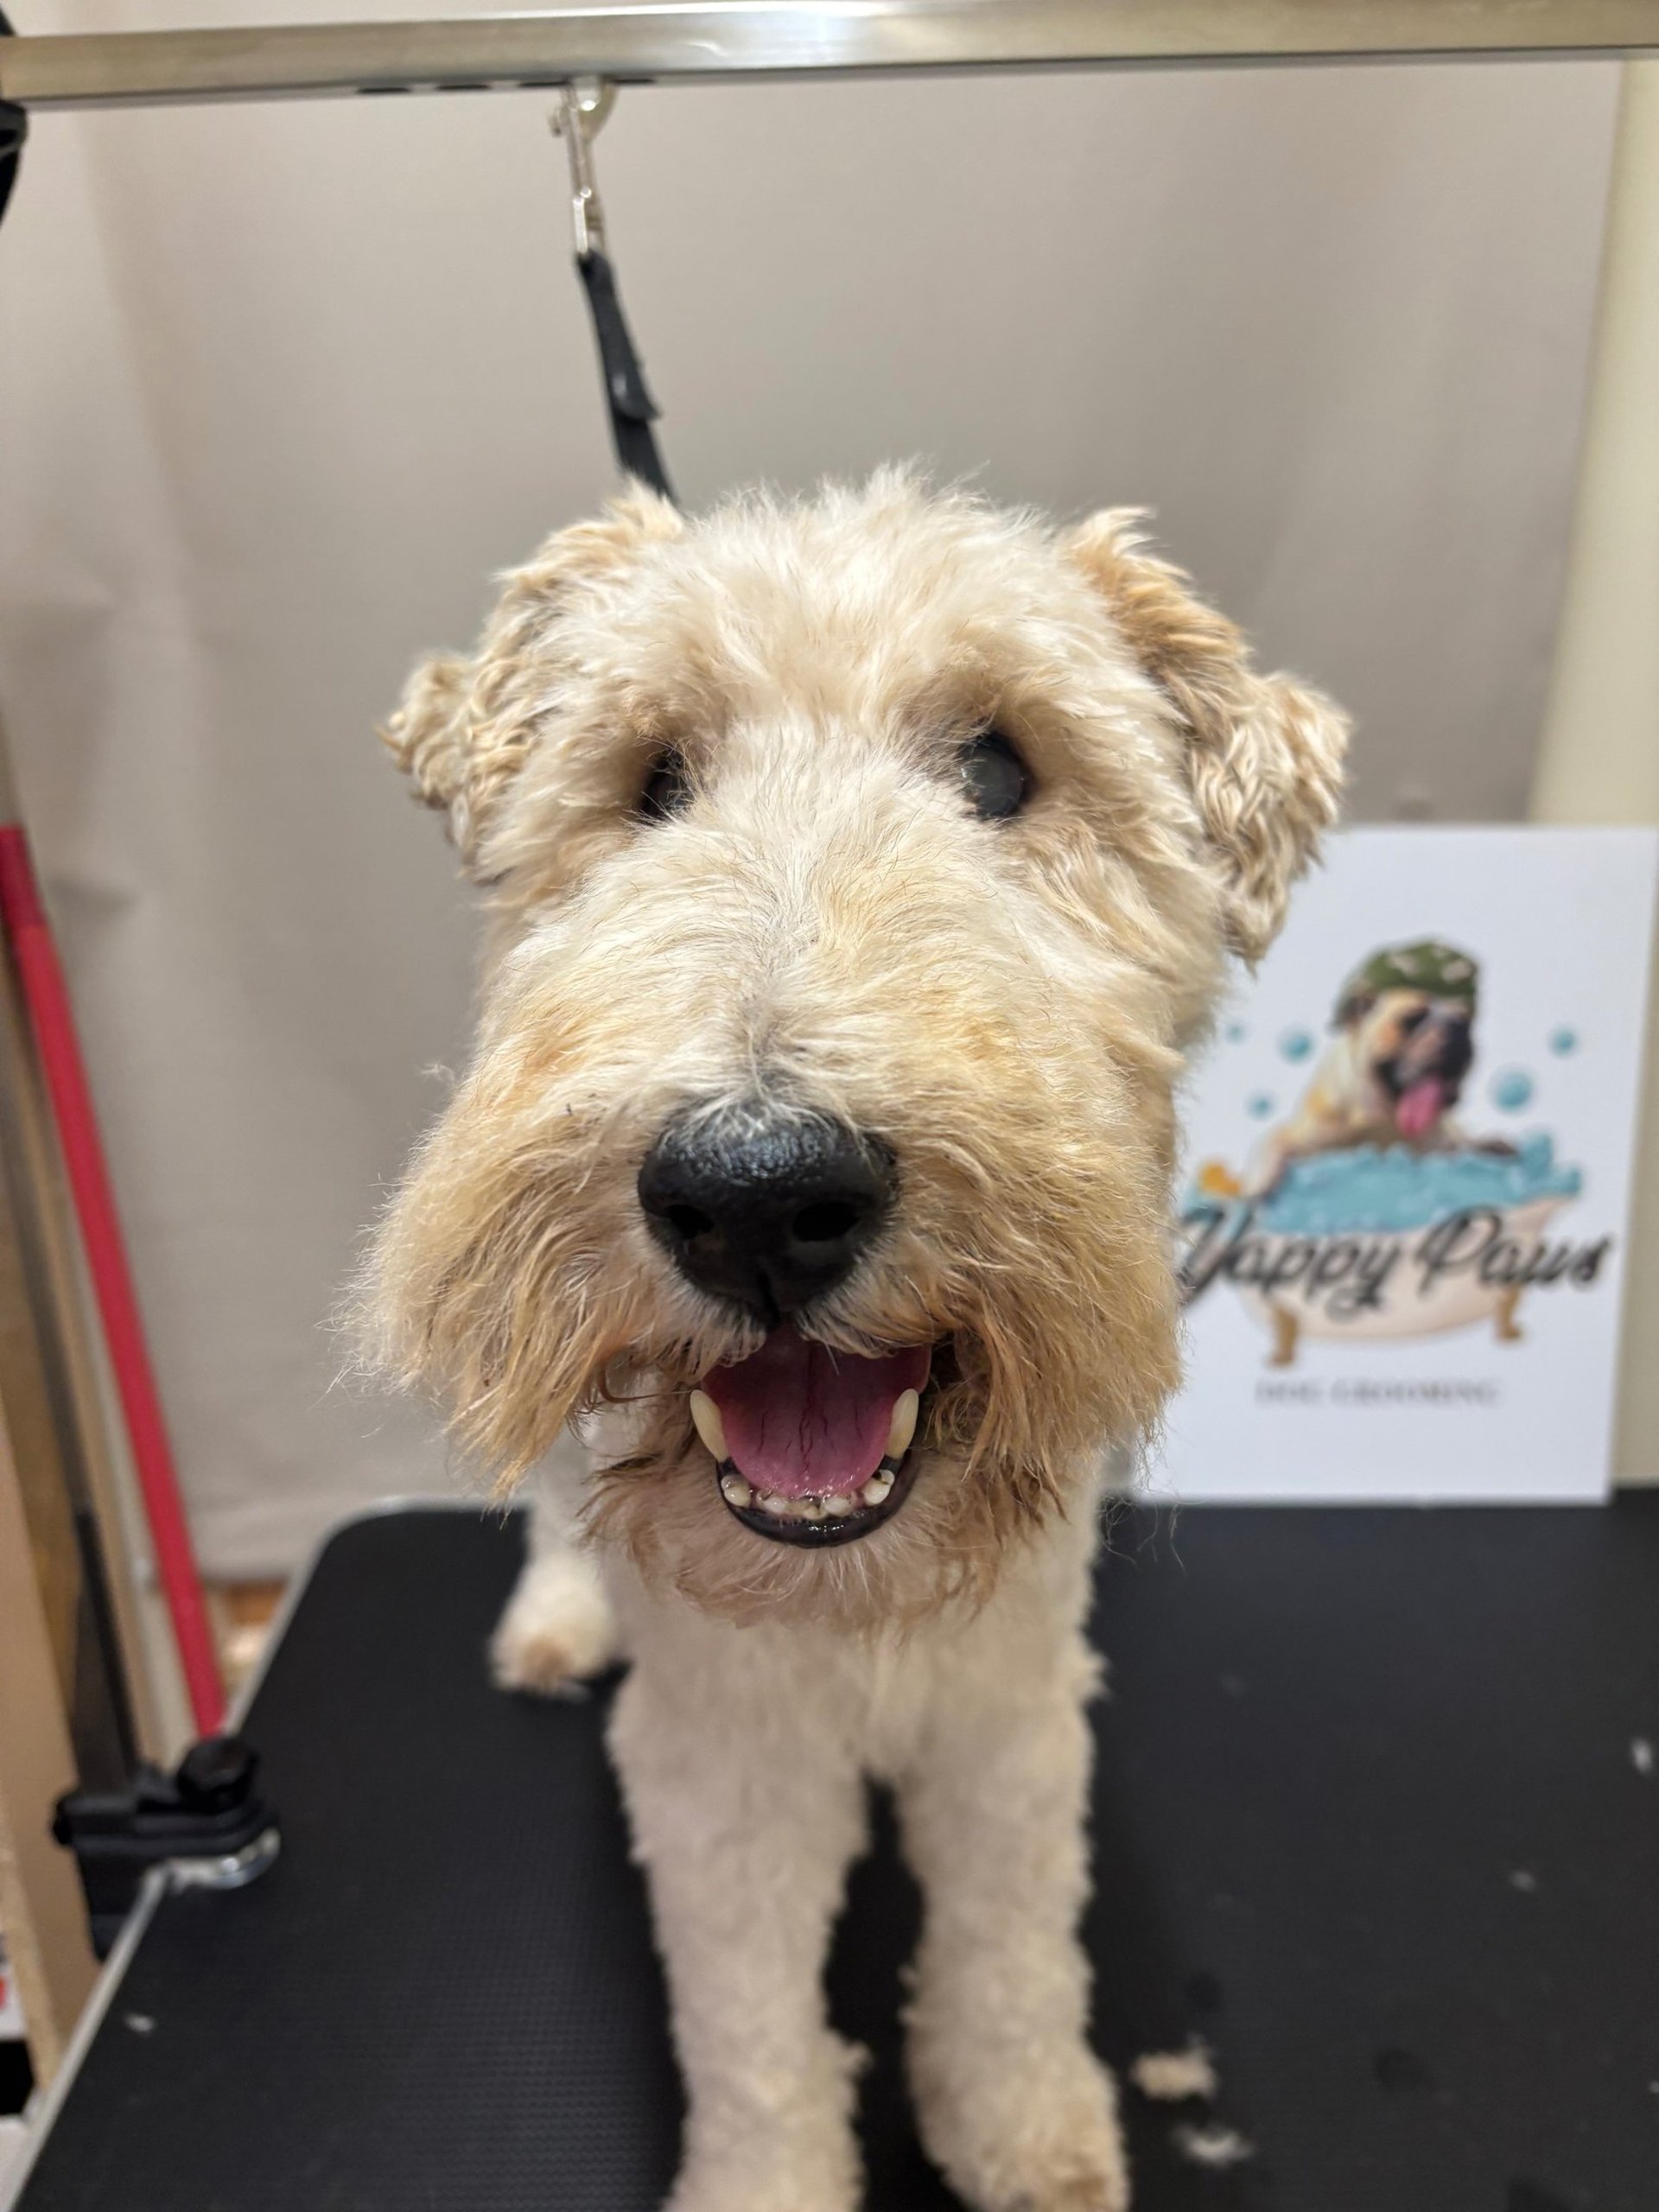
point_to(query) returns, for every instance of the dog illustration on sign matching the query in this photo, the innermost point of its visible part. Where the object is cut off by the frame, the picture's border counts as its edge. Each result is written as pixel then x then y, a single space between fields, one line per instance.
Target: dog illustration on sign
pixel 1368 1213
pixel 1404 1042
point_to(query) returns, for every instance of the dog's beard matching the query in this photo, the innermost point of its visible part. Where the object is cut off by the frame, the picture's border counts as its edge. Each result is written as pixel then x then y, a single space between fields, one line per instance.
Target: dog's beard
pixel 992 1456
pixel 513 1280
pixel 956 1510
pixel 524 1328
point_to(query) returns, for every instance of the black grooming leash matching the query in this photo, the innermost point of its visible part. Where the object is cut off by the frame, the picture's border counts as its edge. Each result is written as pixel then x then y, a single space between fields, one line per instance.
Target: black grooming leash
pixel 632 408
pixel 585 106
pixel 13 129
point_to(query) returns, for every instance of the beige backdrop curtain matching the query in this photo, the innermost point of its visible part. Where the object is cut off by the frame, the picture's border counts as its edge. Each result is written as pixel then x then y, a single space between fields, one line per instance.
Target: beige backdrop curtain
pixel 281 386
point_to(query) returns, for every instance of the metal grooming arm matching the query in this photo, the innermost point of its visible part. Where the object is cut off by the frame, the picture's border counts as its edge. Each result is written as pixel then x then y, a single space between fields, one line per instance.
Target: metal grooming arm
pixel 737 39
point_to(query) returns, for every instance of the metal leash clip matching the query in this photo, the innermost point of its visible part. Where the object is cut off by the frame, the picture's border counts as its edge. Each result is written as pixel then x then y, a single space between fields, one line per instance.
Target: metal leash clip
pixel 583 106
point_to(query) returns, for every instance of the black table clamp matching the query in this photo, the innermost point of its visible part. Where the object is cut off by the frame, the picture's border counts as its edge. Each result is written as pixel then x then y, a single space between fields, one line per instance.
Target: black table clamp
pixel 209 1822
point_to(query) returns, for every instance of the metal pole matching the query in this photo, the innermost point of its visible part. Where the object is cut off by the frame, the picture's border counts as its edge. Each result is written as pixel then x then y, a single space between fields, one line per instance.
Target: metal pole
pixel 40 1894
pixel 50 1361
pixel 31 946
pixel 1598 752
pixel 736 39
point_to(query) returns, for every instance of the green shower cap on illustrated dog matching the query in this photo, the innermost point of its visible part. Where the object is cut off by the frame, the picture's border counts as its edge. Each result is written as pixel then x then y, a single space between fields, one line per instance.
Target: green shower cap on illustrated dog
pixel 1439 969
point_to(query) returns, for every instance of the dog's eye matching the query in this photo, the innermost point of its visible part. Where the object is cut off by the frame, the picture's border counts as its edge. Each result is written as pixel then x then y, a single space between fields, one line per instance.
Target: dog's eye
pixel 667 789
pixel 994 776
pixel 1413 1017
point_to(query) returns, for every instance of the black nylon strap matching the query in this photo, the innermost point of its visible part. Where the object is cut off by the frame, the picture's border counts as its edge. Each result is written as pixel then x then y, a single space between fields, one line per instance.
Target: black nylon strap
pixel 632 409
pixel 13 129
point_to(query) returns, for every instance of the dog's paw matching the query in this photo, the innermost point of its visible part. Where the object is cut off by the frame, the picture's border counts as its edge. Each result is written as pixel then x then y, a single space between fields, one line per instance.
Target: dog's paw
pixel 713 2193
pixel 558 1627
pixel 1079 2181
pixel 814 2178
pixel 1032 2136
pixel 1099 2192
pixel 1072 2178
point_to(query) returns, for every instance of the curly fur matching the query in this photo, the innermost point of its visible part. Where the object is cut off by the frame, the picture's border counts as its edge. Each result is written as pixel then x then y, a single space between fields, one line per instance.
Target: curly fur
pixel 1264 753
pixel 1006 1006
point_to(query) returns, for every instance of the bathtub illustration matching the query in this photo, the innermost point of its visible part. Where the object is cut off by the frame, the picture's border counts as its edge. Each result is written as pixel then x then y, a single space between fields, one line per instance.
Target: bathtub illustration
pixel 1369 1246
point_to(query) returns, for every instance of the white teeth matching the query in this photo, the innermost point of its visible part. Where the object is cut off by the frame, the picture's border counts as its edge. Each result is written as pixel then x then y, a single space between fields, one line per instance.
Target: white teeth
pixel 838 1507
pixel 705 1415
pixel 904 1424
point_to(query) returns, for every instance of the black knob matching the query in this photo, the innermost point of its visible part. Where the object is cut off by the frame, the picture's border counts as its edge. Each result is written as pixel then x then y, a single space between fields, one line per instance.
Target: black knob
pixel 216 1775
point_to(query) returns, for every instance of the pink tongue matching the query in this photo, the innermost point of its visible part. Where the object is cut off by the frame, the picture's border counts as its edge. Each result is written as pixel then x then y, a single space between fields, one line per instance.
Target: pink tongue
pixel 1420 1107
pixel 802 1421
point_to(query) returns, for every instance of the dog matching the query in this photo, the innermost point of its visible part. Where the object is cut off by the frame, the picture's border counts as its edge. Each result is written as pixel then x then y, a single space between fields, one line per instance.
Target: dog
pixel 860 871
pixel 1404 1042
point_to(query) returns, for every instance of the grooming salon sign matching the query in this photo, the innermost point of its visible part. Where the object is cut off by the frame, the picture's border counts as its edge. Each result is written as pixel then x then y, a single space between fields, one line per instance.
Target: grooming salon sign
pixel 1407 1178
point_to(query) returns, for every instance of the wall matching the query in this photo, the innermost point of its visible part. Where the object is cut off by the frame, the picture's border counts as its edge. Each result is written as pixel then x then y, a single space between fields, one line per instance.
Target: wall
pixel 281 385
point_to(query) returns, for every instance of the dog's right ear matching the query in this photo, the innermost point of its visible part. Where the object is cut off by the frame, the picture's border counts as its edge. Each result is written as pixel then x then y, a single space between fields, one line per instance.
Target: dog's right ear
pixel 1352 1006
pixel 1264 753
pixel 464 727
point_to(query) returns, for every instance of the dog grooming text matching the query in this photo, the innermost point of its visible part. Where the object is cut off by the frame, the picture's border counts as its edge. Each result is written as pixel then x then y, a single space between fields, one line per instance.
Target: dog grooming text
pixel 861 871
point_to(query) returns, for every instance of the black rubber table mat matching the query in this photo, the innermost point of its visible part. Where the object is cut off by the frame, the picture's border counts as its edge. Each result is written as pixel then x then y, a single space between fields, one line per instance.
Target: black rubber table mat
pixel 1372 1818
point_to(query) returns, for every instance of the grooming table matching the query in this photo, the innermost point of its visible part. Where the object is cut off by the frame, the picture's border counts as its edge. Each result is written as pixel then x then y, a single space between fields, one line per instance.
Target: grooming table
pixel 1373 1817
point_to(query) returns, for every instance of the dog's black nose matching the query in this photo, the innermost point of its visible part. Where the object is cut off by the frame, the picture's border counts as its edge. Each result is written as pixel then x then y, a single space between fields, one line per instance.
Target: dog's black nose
pixel 771 1210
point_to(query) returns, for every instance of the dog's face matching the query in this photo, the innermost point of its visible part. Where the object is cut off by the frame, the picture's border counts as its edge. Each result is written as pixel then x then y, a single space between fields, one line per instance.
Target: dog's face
pixel 1417 1048
pixel 860 869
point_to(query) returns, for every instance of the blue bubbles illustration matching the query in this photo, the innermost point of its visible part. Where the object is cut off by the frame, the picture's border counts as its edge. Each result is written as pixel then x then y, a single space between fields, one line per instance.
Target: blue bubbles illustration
pixel 1563 1041
pixel 1295 1044
pixel 1260 1106
pixel 1235 1033
pixel 1512 1089
pixel 1365 1190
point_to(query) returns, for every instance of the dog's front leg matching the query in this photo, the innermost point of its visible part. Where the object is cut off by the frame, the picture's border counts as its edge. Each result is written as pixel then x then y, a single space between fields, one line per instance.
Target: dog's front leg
pixel 746 1815
pixel 558 1628
pixel 1013 2105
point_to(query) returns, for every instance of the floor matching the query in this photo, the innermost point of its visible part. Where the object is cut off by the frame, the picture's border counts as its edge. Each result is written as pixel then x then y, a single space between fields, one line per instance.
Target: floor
pixel 242 1613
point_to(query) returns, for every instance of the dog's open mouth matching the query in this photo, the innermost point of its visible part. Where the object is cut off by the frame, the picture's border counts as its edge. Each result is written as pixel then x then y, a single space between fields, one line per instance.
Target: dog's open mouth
pixel 1421 1105
pixel 811 1446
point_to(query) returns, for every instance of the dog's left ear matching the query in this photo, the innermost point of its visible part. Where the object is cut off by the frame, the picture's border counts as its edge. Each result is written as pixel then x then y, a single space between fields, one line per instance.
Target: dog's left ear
pixel 1264 754
pixel 464 726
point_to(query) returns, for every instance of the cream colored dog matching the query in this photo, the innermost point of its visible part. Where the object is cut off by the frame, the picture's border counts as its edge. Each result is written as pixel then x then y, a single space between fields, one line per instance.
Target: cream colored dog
pixel 861 871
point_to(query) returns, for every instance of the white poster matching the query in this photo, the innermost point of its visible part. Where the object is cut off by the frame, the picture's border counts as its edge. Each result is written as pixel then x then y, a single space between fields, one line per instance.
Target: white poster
pixel 1407 1172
